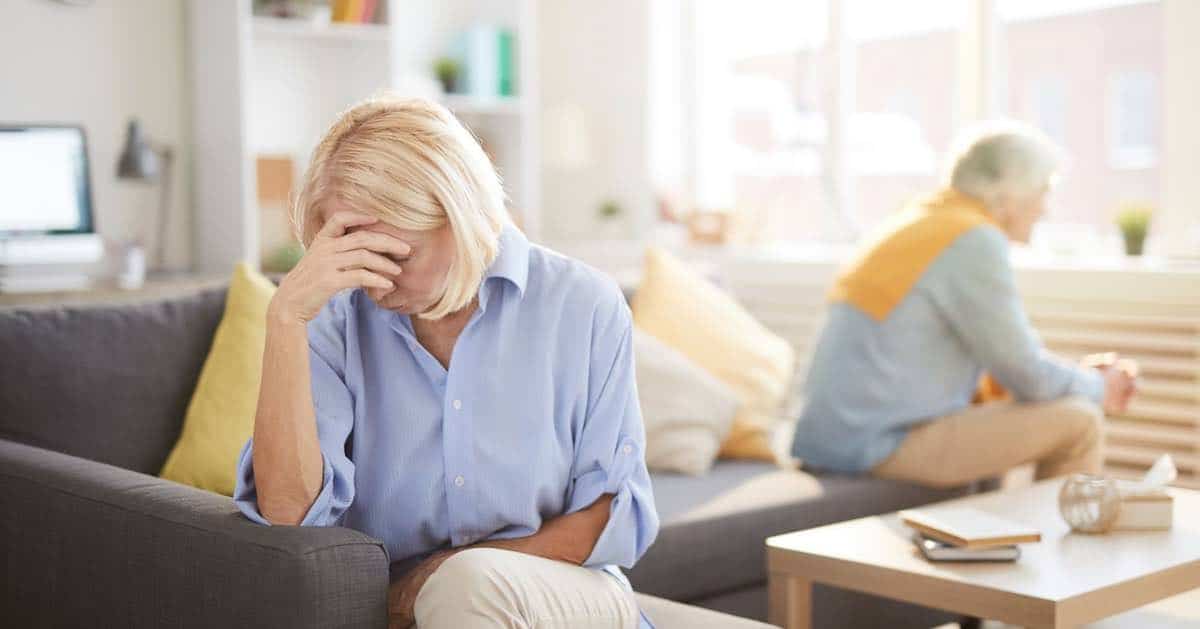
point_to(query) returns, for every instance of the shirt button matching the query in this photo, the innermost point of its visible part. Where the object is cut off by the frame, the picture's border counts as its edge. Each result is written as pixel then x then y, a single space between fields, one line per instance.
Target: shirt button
pixel 457 405
pixel 458 481
pixel 628 449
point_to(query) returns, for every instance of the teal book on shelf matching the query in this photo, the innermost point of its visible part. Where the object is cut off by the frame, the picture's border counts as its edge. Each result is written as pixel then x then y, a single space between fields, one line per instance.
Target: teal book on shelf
pixel 488 58
pixel 507 60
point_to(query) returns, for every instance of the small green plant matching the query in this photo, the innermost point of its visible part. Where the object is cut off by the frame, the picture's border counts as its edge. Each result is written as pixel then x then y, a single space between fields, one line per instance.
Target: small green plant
pixel 609 210
pixel 1134 222
pixel 447 70
pixel 283 258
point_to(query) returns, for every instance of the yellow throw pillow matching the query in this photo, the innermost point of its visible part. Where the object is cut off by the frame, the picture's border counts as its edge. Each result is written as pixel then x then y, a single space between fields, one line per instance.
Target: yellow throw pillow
pixel 684 310
pixel 220 417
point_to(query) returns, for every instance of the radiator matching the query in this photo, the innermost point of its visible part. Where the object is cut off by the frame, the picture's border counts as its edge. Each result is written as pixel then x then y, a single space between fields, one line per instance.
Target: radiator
pixel 1143 311
pixel 1153 317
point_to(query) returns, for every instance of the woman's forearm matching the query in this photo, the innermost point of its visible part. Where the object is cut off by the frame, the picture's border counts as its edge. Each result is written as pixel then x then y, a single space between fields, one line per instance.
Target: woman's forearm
pixel 568 538
pixel 287 453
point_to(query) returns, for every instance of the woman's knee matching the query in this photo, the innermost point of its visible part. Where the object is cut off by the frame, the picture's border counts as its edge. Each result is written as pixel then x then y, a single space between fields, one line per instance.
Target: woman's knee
pixel 472 583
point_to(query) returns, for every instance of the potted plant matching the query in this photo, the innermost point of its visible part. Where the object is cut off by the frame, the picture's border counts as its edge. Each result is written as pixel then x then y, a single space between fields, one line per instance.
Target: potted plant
pixel 609 213
pixel 283 258
pixel 447 70
pixel 1134 222
pixel 609 209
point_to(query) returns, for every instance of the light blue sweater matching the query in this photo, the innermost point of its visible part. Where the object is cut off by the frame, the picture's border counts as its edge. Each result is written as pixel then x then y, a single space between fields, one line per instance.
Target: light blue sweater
pixel 870 381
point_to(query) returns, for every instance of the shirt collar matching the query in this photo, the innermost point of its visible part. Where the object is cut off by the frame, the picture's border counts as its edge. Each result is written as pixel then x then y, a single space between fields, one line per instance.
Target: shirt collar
pixel 511 263
pixel 953 199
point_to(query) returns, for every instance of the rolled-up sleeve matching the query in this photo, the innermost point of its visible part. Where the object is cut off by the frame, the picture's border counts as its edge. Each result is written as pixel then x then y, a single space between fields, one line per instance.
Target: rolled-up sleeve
pixel 334 408
pixel 609 457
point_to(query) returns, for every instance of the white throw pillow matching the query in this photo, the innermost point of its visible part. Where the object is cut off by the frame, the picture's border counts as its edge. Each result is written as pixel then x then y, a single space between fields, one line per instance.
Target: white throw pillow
pixel 687 411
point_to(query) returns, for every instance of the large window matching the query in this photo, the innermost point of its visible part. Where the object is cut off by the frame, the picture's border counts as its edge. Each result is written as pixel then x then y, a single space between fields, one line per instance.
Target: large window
pixel 815 120
pixel 905 79
pixel 1088 73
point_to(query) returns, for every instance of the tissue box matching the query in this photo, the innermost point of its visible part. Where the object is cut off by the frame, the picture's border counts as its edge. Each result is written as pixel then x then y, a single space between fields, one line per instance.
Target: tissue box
pixel 1146 512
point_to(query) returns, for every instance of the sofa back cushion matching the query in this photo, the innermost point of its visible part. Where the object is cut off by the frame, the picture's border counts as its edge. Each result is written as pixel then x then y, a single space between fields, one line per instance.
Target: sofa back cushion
pixel 109 383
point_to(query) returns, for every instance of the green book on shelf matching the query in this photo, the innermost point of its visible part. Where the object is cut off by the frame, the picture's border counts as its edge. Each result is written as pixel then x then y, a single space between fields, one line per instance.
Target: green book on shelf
pixel 506 58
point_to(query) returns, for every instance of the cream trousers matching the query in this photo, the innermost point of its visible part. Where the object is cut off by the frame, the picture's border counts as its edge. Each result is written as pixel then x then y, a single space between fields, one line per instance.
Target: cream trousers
pixel 985 441
pixel 494 588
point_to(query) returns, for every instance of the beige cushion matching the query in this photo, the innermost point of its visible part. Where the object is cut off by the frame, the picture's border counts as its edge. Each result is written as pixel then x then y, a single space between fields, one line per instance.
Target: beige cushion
pixel 684 310
pixel 687 411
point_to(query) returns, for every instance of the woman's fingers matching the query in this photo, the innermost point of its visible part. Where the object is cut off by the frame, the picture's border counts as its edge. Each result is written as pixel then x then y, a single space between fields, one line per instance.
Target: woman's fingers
pixel 356 278
pixel 375 241
pixel 364 259
pixel 377 294
pixel 341 221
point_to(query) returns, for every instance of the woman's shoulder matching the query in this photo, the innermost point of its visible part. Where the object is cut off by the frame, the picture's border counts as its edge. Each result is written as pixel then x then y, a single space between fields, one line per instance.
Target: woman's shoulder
pixel 343 306
pixel 555 276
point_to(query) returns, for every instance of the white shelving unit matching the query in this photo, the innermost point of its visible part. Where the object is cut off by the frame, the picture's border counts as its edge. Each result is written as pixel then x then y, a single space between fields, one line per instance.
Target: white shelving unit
pixel 269 86
pixel 277 28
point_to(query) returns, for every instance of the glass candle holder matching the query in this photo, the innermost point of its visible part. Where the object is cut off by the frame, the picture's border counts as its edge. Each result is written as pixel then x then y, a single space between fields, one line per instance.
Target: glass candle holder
pixel 1089 503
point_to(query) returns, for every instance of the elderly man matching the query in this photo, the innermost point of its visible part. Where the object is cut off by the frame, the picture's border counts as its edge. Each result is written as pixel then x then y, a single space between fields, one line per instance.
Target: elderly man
pixel 930 305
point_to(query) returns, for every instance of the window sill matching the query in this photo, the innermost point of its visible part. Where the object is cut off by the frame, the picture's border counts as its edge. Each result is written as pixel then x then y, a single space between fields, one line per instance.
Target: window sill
pixel 623 260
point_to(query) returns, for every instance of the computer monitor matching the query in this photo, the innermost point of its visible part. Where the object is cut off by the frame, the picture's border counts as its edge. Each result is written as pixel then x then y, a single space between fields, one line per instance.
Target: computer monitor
pixel 45 183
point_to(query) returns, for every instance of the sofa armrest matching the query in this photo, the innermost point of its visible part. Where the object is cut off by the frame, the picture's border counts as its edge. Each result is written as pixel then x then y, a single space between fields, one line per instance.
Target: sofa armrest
pixel 89 544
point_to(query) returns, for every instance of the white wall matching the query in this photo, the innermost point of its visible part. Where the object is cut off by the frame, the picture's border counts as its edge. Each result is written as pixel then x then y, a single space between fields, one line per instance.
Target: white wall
pixel 98 65
pixel 594 73
pixel 1182 142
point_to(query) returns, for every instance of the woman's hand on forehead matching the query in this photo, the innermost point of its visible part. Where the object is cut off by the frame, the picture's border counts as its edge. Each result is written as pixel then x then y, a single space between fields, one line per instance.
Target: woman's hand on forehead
pixel 339 257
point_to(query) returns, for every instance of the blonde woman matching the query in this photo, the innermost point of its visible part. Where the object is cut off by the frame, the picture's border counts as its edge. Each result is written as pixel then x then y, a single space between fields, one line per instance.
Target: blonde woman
pixel 436 381
pixel 928 305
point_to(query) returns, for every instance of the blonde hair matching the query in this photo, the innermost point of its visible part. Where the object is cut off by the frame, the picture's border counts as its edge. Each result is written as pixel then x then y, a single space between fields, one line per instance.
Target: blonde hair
pixel 414 165
pixel 999 159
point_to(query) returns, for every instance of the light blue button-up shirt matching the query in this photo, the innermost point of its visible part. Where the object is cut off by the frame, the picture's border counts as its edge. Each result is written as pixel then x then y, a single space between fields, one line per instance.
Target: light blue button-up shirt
pixel 537 416
pixel 871 381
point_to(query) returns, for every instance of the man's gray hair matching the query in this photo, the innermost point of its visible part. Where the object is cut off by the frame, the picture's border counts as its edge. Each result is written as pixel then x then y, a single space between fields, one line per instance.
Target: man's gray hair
pixel 995 160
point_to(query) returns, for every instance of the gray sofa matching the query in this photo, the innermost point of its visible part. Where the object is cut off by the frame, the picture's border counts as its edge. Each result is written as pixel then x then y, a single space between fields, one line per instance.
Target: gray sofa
pixel 92 399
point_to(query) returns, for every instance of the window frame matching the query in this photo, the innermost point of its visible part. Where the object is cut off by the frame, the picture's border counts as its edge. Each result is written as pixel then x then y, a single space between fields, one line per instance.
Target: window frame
pixel 980 85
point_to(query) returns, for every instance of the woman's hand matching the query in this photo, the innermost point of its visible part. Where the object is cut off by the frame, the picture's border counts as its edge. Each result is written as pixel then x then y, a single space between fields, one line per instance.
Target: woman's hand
pixel 337 260
pixel 569 538
pixel 402 594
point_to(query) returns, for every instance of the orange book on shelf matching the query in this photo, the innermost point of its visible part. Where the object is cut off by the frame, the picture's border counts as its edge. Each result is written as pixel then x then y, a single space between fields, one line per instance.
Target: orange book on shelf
pixel 355 12
pixel 337 10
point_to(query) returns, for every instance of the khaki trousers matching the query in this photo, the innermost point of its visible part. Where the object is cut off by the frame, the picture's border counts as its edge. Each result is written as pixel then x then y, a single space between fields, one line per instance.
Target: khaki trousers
pixel 494 588
pixel 985 441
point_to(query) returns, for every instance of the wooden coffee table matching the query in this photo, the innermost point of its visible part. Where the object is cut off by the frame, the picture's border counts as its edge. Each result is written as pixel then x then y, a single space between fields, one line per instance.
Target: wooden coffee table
pixel 1066 580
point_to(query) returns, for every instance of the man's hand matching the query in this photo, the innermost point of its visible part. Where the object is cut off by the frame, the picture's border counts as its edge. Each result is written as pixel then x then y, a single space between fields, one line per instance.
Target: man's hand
pixel 402 594
pixel 1120 379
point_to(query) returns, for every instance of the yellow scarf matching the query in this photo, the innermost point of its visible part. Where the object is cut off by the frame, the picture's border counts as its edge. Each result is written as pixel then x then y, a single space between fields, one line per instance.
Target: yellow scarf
pixel 884 271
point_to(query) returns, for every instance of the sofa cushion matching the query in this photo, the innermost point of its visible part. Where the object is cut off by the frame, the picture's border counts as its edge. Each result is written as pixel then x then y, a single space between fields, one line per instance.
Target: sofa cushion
pixel 687 312
pixel 220 417
pixel 714 526
pixel 108 383
pixel 686 410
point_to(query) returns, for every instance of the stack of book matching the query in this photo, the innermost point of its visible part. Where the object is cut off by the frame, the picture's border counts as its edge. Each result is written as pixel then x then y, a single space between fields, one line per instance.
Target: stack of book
pixel 953 533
